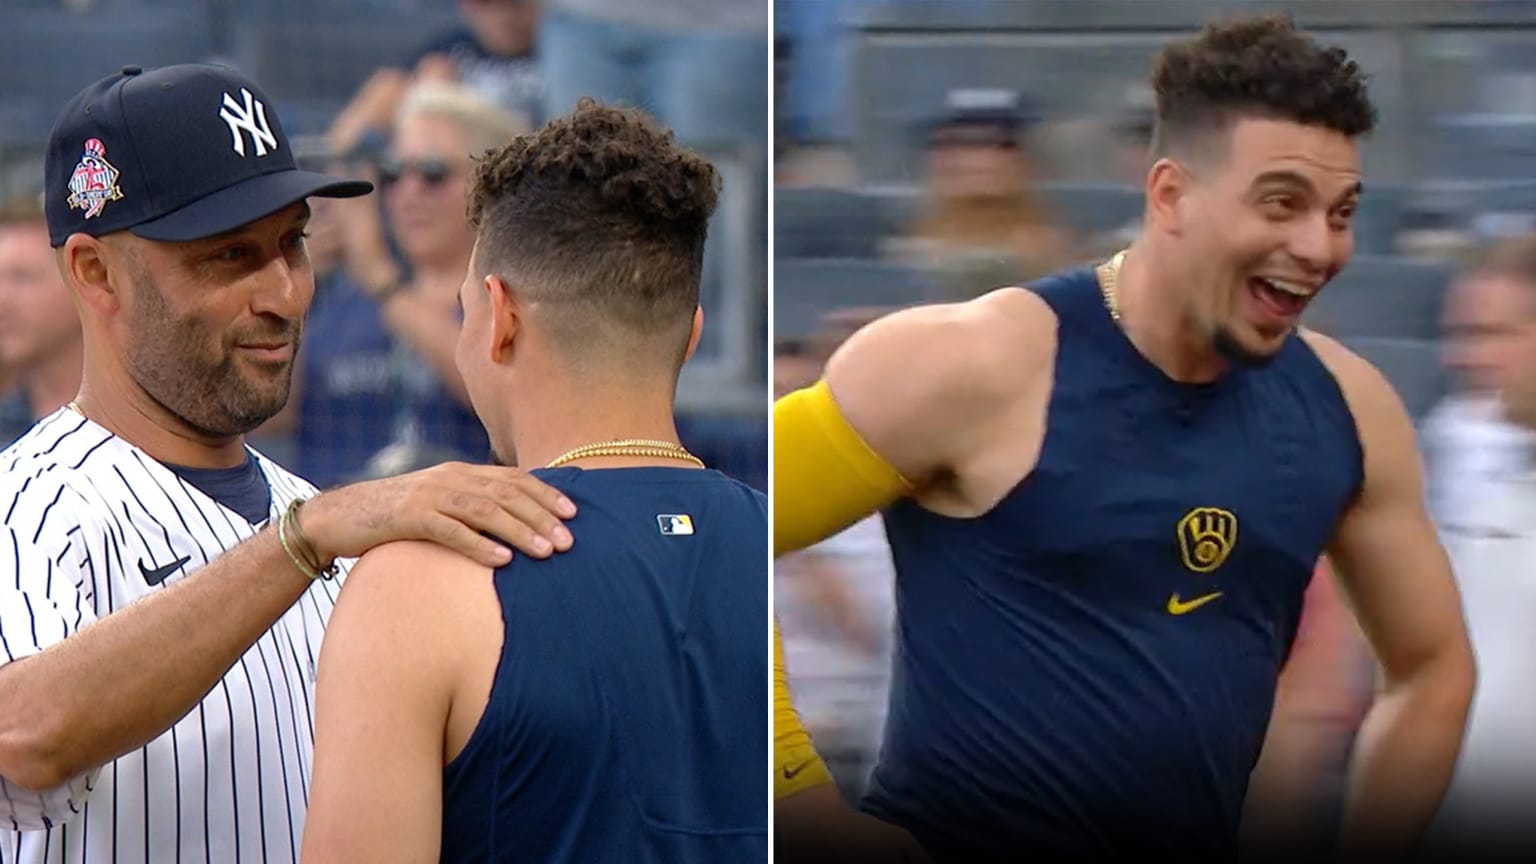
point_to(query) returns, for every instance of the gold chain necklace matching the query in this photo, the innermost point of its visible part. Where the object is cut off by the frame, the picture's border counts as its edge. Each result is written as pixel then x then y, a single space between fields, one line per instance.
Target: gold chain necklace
pixel 628 447
pixel 1109 280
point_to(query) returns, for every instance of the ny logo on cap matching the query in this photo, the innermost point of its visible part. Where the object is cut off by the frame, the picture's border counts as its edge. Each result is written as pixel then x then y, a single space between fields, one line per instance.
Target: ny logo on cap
pixel 250 117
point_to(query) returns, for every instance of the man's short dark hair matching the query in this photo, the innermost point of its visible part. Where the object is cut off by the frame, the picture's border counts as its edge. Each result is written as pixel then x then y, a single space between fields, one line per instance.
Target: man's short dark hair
pixel 1255 67
pixel 601 218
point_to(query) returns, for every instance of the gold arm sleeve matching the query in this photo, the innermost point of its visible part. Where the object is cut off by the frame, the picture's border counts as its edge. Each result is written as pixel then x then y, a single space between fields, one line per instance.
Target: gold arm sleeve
pixel 796 766
pixel 825 477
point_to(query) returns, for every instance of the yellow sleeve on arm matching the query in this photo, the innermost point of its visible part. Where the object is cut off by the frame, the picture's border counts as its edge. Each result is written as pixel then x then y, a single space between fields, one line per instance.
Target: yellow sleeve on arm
pixel 825 477
pixel 796 766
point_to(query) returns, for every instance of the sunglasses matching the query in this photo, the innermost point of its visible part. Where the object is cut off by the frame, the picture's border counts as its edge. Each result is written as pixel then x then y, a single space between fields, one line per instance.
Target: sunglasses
pixel 433 172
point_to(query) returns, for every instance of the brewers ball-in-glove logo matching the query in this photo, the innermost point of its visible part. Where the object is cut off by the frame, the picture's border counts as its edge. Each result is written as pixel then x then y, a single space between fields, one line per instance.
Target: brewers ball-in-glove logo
pixel 94 182
pixel 1206 538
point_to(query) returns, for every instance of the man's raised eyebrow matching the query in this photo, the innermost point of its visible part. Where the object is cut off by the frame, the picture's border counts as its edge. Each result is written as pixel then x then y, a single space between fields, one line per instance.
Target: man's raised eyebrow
pixel 1283 177
pixel 1292 178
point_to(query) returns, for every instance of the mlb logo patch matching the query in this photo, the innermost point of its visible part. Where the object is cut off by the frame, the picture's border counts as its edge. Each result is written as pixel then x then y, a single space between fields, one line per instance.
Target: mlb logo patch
pixel 675 525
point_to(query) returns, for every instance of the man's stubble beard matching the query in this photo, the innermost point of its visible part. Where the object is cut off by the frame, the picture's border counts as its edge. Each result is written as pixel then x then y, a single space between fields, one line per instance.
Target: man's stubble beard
pixel 209 395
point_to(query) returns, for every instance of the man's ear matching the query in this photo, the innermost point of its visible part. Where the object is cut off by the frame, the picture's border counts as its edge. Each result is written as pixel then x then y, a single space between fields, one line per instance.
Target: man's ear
pixel 1167 192
pixel 84 262
pixel 696 330
pixel 506 316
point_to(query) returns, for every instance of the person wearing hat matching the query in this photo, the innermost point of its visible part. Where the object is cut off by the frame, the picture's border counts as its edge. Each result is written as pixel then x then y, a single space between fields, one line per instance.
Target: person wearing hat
pixel 165 587
pixel 981 226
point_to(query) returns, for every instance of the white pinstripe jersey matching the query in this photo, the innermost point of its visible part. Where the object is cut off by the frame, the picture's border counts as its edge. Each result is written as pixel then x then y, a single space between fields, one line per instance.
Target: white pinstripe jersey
pixel 86 514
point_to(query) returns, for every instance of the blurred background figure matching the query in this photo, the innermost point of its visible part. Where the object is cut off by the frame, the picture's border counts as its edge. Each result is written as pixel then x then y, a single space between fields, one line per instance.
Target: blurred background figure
pixel 1482 458
pixel 1450 170
pixel 1471 443
pixel 982 224
pixel 40 347
pixel 491 51
pixel 373 394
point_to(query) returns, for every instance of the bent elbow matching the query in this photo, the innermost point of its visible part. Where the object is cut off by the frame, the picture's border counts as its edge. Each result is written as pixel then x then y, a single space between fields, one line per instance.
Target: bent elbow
pixel 30 760
pixel 1445 685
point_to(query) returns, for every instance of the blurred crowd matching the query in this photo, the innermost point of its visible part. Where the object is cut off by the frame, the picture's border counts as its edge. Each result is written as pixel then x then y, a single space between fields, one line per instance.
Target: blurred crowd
pixel 375 387
pixel 936 151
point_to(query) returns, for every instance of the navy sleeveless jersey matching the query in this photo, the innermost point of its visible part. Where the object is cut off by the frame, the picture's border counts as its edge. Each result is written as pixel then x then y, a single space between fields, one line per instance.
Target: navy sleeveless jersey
pixel 628 720
pixel 1068 681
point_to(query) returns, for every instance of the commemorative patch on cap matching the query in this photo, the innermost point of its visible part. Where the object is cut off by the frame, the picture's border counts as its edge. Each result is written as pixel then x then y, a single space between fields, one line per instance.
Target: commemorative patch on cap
pixel 94 181
pixel 167 130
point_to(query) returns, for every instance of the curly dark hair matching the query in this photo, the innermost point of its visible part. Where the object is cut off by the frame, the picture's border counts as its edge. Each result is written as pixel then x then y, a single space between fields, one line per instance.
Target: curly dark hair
pixel 600 217
pixel 1255 66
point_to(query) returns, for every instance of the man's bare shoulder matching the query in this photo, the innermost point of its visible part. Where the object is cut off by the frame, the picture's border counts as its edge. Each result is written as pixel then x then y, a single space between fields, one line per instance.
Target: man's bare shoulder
pixel 1366 390
pixel 976 346
pixel 1385 429
pixel 922 386
pixel 412 581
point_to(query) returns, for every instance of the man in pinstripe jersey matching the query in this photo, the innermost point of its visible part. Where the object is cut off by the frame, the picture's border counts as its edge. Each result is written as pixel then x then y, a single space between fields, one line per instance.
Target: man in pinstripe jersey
pixel 158 633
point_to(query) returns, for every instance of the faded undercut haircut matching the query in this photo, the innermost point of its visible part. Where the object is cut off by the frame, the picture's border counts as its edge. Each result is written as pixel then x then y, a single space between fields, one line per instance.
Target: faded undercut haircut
pixel 600 218
pixel 1258 67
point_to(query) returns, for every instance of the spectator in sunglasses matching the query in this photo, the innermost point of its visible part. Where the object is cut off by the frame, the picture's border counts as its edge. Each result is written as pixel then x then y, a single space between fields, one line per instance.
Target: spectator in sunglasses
pixel 377 385
pixel 981 227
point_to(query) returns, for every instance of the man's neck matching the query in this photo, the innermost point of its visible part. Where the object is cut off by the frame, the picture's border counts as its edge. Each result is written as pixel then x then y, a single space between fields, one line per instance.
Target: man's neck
pixel 111 399
pixel 54 381
pixel 1154 320
pixel 561 418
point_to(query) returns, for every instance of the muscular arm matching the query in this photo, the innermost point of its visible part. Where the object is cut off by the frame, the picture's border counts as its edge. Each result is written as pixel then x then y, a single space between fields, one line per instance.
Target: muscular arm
pixel 1322 695
pixel 1400 586
pixel 906 403
pixel 120 682
pixel 404 635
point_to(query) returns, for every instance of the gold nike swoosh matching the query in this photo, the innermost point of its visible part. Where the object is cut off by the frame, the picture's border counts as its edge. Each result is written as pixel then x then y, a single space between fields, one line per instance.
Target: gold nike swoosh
pixel 1182 607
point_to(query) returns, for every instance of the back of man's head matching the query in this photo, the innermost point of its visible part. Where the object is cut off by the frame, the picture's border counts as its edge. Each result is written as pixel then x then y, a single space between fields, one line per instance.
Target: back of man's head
pixel 599 221
pixel 1258 67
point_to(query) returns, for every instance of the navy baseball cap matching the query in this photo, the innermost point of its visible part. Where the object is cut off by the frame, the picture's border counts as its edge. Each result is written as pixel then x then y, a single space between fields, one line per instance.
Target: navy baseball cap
pixel 176 153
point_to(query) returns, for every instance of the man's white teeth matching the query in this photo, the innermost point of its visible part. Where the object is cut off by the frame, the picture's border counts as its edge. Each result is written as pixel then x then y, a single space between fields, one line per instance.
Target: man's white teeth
pixel 1288 287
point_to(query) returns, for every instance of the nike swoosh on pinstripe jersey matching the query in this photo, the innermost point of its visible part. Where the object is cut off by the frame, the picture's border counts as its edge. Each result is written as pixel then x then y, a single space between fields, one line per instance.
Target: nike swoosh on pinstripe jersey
pixel 156 575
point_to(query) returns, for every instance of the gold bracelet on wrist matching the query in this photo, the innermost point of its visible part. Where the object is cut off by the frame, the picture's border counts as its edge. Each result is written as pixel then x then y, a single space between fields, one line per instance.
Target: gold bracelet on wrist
pixel 306 546
pixel 282 538
pixel 289 525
